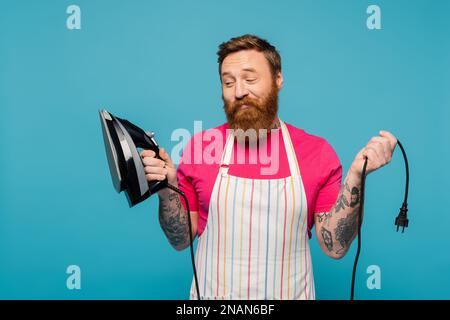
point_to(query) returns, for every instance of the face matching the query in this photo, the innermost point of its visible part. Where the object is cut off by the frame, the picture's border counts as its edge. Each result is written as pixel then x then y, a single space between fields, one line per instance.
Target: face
pixel 249 90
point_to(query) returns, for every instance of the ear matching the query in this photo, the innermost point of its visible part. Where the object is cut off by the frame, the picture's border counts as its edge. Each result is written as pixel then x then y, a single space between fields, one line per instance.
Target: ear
pixel 279 80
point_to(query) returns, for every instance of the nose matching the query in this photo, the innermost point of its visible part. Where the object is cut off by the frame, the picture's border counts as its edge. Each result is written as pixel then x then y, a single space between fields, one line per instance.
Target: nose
pixel 241 90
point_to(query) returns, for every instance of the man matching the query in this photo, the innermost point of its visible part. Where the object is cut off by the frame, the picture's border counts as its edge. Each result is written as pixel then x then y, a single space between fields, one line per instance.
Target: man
pixel 253 227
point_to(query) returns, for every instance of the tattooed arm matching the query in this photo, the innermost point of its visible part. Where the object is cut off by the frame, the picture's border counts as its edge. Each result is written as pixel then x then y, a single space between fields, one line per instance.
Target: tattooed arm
pixel 172 216
pixel 337 228
pixel 173 219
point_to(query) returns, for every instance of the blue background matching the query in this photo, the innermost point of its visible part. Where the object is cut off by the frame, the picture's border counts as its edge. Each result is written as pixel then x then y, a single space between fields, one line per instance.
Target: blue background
pixel 154 63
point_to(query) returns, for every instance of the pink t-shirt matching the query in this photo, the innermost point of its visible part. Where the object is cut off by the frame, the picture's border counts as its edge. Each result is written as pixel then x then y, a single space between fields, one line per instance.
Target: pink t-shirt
pixel 320 168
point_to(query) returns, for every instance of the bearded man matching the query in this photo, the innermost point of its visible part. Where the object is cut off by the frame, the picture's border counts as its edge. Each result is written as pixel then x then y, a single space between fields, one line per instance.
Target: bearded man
pixel 254 225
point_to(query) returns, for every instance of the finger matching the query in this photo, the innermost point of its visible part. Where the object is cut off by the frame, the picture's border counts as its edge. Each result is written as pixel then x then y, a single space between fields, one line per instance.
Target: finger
pixel 392 139
pixel 155 170
pixel 148 153
pixel 165 156
pixel 154 162
pixel 377 147
pixel 385 145
pixel 372 159
pixel 371 155
pixel 152 177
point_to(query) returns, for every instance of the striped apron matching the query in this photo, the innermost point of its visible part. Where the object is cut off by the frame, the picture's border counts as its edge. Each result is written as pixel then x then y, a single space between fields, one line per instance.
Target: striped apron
pixel 255 243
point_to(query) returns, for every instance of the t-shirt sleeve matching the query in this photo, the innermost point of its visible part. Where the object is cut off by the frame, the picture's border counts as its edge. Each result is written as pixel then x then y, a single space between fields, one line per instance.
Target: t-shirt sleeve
pixel 185 174
pixel 330 179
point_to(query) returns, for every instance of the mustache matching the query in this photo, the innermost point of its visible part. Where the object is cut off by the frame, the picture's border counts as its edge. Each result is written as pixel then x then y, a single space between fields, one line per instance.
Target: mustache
pixel 245 101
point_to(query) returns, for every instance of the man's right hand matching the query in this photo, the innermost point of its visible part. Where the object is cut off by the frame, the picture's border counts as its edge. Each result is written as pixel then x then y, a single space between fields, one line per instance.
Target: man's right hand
pixel 157 169
pixel 172 216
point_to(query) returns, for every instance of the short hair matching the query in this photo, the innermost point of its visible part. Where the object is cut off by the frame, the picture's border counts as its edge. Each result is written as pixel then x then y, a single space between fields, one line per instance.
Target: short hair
pixel 250 42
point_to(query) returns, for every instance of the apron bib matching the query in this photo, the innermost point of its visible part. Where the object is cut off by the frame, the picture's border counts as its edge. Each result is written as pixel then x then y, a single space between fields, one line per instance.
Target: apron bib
pixel 255 243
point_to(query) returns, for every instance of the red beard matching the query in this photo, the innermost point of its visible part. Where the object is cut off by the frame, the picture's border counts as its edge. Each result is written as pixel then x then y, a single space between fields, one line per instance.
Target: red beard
pixel 259 115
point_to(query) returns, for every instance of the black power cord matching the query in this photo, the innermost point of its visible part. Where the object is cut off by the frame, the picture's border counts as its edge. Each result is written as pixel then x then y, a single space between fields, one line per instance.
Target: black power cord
pixel 358 250
pixel 400 221
pixel 402 218
pixel 191 241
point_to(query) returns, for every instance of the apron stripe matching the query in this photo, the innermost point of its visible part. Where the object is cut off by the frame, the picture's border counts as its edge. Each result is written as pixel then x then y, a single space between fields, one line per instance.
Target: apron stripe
pixel 203 255
pixel 225 239
pixel 250 240
pixel 276 237
pixel 211 248
pixel 309 270
pixel 197 259
pixel 284 239
pixel 241 238
pixel 232 234
pixel 213 224
pixel 290 238
pixel 306 271
pixel 206 261
pixel 258 242
pixel 296 240
pixel 267 245
pixel 218 236
pixel 199 256
pixel 292 153
pixel 304 261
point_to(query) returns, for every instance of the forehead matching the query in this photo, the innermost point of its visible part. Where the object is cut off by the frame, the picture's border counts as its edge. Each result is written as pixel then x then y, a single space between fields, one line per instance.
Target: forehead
pixel 243 60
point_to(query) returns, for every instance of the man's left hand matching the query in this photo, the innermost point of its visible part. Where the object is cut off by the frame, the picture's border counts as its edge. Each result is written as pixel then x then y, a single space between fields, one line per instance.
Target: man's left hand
pixel 378 151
